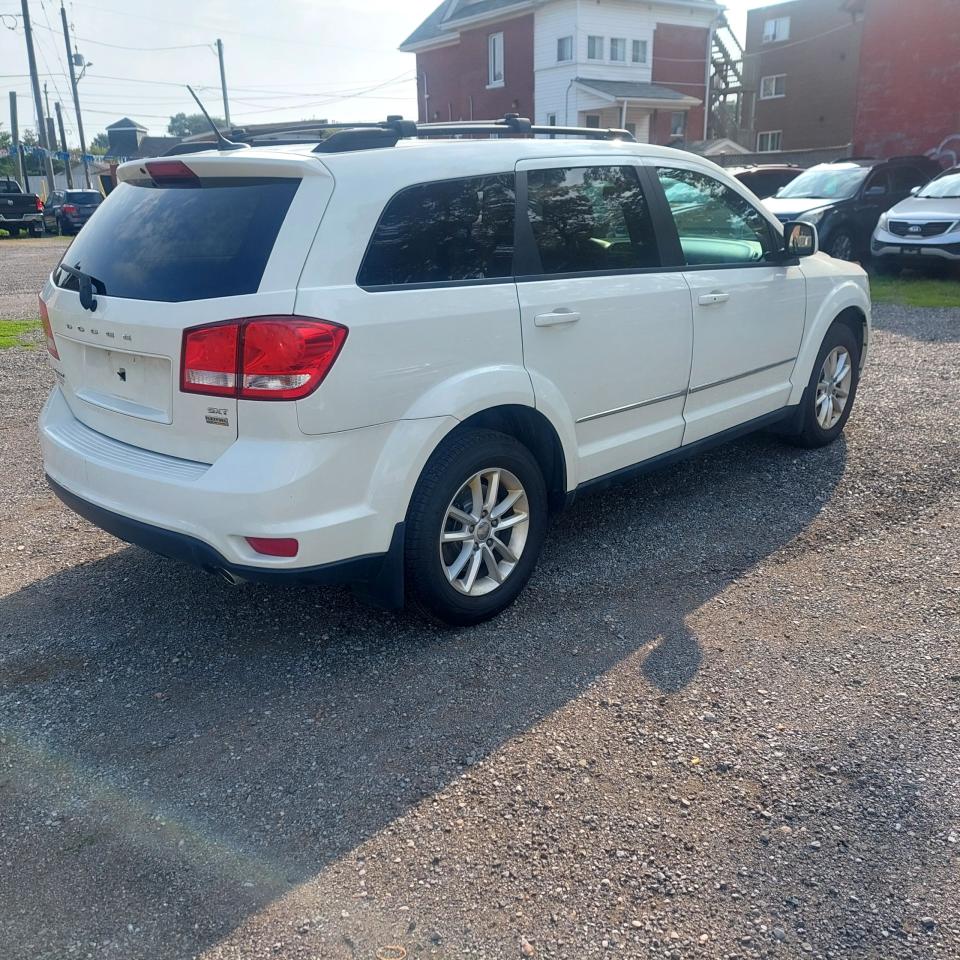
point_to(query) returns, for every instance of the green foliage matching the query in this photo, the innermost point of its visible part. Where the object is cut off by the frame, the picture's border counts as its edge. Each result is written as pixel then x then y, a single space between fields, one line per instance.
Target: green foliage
pixel 15 333
pixel 914 291
pixel 185 125
pixel 100 144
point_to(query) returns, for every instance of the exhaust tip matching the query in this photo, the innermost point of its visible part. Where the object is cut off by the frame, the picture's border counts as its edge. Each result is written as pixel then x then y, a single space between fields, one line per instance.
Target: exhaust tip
pixel 225 575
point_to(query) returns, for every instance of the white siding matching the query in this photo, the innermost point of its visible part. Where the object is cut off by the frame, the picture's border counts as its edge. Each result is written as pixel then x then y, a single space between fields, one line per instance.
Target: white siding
pixel 630 19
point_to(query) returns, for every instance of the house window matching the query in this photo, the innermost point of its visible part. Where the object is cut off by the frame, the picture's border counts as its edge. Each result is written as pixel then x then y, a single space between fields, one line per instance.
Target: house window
pixel 593 120
pixel 594 48
pixel 771 88
pixel 776 30
pixel 678 123
pixel 639 51
pixel 495 60
pixel 551 119
pixel 618 49
pixel 769 141
pixel 564 49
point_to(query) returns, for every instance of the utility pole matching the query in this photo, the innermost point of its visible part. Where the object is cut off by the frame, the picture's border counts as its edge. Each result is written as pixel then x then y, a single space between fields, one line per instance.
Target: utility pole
pixel 223 84
pixel 63 143
pixel 35 84
pixel 76 95
pixel 46 100
pixel 15 142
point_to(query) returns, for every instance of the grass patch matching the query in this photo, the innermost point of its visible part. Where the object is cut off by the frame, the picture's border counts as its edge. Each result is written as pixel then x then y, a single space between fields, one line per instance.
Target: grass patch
pixel 916 291
pixel 15 333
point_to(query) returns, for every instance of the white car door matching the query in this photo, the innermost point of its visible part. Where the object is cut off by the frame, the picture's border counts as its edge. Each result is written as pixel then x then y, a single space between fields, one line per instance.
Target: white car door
pixel 748 309
pixel 607 332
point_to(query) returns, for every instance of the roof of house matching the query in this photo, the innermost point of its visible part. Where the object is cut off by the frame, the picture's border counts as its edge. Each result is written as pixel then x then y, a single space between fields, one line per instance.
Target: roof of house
pixel 631 90
pixel 712 148
pixel 444 19
pixel 126 124
pixel 157 146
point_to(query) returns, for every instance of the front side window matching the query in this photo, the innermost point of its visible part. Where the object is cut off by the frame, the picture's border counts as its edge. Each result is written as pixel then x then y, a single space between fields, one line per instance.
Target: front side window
pixel 590 219
pixel 639 51
pixel 776 30
pixel 495 59
pixel 449 230
pixel 773 87
pixel 564 49
pixel 618 49
pixel 769 141
pixel 906 178
pixel 715 224
pixel 594 48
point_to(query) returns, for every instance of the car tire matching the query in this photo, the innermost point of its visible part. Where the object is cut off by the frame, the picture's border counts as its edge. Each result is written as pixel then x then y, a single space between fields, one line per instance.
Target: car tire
pixel 460 568
pixel 841 245
pixel 829 387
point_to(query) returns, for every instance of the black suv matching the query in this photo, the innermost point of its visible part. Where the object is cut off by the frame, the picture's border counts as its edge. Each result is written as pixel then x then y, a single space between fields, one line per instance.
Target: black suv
pixel 844 199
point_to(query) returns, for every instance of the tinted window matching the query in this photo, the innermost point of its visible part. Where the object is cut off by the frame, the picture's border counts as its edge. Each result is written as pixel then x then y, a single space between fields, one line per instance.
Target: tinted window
pixel 715 224
pixel 590 219
pixel 879 182
pixel 443 231
pixel 182 243
pixel 82 196
pixel 906 178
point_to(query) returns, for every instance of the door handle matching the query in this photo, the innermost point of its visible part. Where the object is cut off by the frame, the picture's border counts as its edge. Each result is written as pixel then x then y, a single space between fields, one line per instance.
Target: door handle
pixel 718 296
pixel 558 316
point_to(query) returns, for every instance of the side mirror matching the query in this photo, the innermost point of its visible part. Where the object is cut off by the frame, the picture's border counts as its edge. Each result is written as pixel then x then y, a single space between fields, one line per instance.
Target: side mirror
pixel 915 190
pixel 879 191
pixel 800 239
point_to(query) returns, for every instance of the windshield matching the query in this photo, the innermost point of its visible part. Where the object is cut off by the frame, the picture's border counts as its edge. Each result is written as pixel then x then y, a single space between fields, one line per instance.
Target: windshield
pixel 825 183
pixel 82 196
pixel 944 187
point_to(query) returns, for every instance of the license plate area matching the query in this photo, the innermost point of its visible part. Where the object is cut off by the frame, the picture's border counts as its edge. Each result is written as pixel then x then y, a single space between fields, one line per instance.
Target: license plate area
pixel 134 384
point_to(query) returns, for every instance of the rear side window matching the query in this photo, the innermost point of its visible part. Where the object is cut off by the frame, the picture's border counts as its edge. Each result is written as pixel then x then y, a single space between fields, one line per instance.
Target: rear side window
pixel 590 219
pixel 177 243
pixel 449 230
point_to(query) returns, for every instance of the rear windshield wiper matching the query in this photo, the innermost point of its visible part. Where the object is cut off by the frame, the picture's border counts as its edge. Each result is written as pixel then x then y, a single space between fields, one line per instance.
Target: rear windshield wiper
pixel 86 282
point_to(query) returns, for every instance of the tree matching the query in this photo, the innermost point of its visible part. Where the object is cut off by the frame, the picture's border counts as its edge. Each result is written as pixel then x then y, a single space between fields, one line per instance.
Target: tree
pixel 185 125
pixel 100 144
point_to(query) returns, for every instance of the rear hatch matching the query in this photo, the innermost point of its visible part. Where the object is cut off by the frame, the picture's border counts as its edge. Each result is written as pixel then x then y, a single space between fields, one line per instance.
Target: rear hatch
pixel 83 203
pixel 177 244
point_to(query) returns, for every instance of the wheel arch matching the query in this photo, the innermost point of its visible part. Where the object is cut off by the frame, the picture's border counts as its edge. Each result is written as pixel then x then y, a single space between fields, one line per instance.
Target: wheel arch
pixel 535 431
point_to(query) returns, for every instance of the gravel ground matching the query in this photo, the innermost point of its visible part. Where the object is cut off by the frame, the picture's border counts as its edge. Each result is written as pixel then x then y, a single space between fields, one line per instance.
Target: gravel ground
pixel 723 722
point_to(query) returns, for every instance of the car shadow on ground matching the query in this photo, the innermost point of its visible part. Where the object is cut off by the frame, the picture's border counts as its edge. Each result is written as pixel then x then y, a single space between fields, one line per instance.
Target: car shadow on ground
pixel 179 752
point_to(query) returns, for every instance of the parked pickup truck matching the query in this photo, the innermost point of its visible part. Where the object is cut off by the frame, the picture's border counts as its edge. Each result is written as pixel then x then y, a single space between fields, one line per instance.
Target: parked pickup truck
pixel 19 210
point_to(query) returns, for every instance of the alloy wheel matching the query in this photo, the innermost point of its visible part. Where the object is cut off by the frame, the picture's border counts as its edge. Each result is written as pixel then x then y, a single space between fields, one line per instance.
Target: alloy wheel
pixel 833 387
pixel 484 531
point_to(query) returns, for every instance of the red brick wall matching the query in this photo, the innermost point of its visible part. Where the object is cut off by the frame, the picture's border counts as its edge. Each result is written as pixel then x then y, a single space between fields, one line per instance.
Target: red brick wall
pixel 908 95
pixel 671 46
pixel 455 73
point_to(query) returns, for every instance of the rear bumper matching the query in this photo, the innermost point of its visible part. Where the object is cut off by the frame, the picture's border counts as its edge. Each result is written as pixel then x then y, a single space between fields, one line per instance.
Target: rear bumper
pixel 343 496
pixel 22 220
pixel 179 546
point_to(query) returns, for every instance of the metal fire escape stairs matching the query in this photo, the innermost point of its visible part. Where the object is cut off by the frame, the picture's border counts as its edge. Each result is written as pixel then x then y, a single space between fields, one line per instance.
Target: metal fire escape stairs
pixel 726 82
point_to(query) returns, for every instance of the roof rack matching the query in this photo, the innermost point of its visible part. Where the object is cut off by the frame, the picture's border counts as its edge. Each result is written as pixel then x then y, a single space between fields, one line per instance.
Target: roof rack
pixel 339 137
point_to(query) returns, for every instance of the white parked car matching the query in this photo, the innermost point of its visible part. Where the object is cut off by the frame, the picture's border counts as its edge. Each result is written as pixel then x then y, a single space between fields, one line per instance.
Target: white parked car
pixel 385 359
pixel 923 230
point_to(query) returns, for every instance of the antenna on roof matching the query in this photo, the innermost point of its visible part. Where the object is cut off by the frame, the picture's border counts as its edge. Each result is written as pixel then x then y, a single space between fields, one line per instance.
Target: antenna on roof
pixel 222 142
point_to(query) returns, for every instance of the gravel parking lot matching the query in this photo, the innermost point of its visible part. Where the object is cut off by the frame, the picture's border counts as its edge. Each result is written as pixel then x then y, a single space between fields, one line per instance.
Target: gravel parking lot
pixel 723 721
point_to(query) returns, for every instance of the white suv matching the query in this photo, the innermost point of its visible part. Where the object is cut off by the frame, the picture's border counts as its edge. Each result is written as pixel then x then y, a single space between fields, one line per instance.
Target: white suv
pixel 384 358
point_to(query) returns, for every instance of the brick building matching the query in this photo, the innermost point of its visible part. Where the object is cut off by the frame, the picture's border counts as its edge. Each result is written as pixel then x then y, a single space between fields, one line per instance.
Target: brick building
pixel 882 76
pixel 908 94
pixel 607 63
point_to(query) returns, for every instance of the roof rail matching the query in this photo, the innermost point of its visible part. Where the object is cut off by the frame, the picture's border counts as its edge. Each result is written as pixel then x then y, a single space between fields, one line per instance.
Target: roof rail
pixel 342 136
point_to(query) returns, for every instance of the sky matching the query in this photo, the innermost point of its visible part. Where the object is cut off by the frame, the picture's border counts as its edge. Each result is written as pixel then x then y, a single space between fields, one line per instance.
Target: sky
pixel 285 59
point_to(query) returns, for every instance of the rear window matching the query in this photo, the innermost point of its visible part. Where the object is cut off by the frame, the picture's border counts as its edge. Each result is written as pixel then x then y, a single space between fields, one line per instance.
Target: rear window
pixel 449 230
pixel 177 243
pixel 82 196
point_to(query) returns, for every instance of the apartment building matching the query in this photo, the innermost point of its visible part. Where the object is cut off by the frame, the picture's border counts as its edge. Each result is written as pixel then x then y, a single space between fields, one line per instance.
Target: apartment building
pixel 596 63
pixel 801 65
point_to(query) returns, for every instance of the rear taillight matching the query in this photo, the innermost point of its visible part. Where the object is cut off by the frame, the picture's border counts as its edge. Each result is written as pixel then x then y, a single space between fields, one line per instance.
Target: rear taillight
pixel 259 358
pixel 68 208
pixel 39 203
pixel 48 330
pixel 173 173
